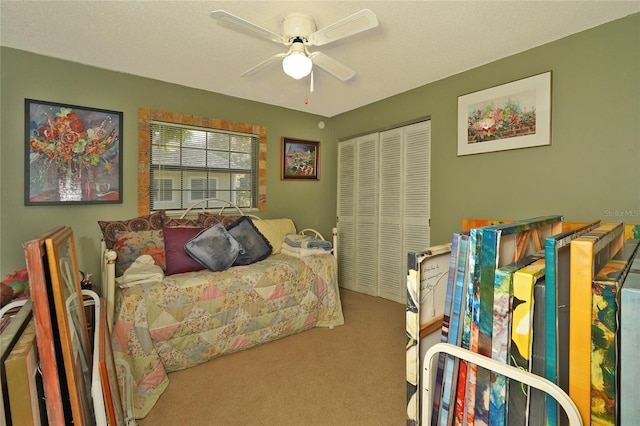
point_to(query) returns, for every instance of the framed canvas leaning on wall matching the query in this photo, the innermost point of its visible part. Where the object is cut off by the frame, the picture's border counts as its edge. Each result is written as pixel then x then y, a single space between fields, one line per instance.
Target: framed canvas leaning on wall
pixel 61 327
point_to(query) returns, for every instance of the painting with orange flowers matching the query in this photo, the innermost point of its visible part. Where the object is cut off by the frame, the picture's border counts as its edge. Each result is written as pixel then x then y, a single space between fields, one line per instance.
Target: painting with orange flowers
pixel 510 116
pixel 73 154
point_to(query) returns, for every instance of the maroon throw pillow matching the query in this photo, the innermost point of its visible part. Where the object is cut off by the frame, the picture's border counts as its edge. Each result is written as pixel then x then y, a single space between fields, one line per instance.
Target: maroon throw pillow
pixel 177 259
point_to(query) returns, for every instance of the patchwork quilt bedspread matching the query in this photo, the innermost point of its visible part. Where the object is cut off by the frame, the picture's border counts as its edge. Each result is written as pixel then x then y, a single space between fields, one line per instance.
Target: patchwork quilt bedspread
pixel 191 318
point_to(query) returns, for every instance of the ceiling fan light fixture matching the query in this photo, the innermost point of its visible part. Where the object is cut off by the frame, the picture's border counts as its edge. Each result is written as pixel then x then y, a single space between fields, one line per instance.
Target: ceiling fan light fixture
pixel 298 32
pixel 297 64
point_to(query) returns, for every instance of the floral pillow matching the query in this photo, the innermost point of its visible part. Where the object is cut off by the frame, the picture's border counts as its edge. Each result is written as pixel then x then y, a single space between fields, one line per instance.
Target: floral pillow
pixel 150 222
pixel 15 286
pixel 129 245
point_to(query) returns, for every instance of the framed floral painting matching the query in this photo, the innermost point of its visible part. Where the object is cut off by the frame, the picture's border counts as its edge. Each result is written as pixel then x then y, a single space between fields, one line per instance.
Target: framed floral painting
pixel 73 154
pixel 299 159
pixel 510 116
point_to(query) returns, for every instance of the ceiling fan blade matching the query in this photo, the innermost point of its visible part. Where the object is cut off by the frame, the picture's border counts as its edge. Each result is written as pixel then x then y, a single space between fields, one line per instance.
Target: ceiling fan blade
pixel 231 21
pixel 333 67
pixel 353 24
pixel 263 64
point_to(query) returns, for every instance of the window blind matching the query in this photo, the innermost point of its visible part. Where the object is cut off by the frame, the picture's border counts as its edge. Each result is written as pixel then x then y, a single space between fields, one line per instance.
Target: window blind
pixel 189 164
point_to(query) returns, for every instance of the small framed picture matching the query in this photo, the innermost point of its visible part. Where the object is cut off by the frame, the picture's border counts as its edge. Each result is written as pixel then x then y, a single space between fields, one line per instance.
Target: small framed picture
pixel 299 159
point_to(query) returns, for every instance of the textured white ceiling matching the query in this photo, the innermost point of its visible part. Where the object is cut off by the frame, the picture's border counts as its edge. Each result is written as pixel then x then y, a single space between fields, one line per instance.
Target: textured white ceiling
pixel 417 42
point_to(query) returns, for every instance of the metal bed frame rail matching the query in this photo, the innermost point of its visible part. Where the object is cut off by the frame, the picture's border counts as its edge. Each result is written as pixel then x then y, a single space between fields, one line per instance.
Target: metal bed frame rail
pixel 507 370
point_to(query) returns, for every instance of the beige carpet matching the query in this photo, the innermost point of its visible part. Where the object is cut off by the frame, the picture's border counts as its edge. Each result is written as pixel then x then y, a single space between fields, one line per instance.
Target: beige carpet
pixel 351 375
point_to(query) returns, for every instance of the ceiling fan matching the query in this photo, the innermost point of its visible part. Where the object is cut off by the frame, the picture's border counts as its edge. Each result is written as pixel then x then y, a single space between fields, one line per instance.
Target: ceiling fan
pixel 299 32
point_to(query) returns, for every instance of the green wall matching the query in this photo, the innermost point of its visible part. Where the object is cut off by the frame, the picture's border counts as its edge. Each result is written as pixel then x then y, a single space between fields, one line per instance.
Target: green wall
pixel 590 170
pixel 26 75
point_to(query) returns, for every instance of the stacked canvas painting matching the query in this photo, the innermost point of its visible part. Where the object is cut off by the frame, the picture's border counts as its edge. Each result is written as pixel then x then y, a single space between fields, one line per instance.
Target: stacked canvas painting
pixel 428 274
pixel 548 297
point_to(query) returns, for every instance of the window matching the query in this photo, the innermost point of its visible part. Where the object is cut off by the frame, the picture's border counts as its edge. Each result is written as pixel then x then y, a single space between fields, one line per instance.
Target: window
pixel 163 190
pixel 203 188
pixel 200 164
pixel 183 159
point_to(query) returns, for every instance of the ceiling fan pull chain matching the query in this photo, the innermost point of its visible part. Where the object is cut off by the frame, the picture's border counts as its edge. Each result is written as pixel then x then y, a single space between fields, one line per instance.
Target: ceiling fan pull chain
pixel 306 98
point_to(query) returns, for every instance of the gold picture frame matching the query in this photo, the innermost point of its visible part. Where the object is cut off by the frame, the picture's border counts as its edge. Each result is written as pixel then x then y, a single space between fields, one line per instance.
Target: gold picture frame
pixel 61 327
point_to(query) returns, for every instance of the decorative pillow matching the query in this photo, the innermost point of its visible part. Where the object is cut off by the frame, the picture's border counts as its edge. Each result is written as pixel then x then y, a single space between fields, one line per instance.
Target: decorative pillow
pixel 174 222
pixel 209 219
pixel 214 248
pixel 275 230
pixel 153 221
pixel 130 245
pixel 176 257
pixel 256 246
pixel 14 287
pixel 6 294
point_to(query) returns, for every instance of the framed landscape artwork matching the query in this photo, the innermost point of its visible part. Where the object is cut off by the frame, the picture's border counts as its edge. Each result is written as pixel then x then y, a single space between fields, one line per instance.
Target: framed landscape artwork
pixel 511 116
pixel 299 159
pixel 73 154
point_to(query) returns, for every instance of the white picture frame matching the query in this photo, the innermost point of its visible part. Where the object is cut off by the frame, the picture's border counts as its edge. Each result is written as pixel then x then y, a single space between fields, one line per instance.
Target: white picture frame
pixel 510 116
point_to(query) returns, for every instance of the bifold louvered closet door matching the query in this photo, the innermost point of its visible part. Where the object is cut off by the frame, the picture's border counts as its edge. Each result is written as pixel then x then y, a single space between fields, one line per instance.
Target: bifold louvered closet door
pixel 383 208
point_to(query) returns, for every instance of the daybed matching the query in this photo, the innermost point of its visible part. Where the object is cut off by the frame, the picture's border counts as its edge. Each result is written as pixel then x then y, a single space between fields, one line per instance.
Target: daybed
pixel 165 321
